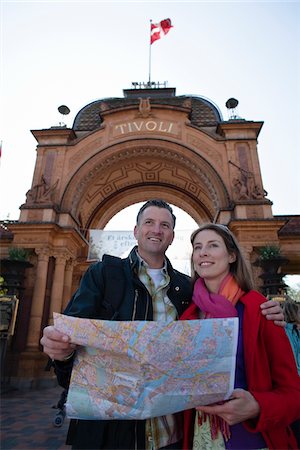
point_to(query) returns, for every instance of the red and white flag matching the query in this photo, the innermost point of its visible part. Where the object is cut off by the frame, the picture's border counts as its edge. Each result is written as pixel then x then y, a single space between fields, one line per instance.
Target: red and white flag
pixel 158 30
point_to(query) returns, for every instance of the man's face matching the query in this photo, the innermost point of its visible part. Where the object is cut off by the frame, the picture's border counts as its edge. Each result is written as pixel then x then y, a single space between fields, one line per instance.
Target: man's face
pixel 155 232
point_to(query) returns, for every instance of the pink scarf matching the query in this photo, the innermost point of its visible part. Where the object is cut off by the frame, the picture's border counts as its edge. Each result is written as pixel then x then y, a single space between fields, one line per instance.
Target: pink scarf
pixel 217 305
pixel 221 304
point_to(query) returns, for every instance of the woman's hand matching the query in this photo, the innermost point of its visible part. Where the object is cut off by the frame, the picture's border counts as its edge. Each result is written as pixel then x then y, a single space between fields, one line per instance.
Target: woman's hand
pixel 241 406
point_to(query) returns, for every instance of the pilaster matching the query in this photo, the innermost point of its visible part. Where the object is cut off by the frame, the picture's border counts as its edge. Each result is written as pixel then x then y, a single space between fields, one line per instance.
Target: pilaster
pixel 58 284
pixel 38 298
pixel 67 288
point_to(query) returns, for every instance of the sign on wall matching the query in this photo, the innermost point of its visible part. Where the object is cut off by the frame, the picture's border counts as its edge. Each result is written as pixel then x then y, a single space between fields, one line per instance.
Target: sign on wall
pixel 119 243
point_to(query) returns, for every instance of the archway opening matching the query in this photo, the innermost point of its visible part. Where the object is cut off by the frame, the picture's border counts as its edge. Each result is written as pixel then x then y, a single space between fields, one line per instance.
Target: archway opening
pixel 180 250
pixel 126 219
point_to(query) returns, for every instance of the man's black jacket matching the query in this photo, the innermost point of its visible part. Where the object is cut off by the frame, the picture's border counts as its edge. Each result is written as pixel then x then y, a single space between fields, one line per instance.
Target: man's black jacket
pixel 90 301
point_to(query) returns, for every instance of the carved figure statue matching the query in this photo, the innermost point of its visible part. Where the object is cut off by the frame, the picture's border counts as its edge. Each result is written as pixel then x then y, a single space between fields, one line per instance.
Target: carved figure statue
pixel 240 189
pixel 244 185
pixel 41 192
pixel 258 192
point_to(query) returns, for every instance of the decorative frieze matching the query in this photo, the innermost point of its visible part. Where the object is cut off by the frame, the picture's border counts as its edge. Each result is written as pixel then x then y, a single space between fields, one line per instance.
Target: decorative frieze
pixel 170 166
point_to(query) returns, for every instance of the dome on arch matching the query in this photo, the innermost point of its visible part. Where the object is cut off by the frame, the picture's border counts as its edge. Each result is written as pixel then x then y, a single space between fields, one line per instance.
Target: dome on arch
pixel 202 112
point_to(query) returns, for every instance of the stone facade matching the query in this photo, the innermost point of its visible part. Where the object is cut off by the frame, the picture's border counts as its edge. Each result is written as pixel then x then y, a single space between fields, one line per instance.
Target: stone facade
pixel 121 151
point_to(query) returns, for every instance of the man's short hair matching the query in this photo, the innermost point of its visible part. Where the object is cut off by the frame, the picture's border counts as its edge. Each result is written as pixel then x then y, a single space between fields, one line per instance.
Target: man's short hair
pixel 159 204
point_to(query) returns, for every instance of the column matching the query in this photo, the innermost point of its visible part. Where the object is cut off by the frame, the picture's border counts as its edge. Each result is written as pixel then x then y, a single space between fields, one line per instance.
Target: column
pixel 57 285
pixel 67 291
pixel 247 251
pixel 38 299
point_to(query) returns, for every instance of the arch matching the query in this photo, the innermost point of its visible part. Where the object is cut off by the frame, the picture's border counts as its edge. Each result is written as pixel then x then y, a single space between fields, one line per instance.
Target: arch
pixel 119 201
pixel 144 163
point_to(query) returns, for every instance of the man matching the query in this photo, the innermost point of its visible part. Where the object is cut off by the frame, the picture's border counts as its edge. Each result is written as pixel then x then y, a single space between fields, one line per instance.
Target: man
pixel 153 291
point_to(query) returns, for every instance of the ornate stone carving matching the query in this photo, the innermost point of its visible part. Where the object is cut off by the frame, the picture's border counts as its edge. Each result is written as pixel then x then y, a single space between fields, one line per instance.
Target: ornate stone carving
pixel 240 189
pixel 43 253
pixel 244 187
pixel 144 107
pixel 111 180
pixel 71 263
pixel 41 192
pixel 60 259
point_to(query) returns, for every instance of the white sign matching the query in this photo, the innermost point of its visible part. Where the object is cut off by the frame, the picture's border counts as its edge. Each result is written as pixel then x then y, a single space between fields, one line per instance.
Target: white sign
pixel 119 243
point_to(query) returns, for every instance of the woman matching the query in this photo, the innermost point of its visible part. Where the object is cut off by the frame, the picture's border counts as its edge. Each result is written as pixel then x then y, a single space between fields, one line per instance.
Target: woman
pixel 291 312
pixel 266 398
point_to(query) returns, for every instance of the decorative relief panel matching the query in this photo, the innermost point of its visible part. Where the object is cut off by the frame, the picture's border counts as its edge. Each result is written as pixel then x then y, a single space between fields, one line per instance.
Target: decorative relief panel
pixel 144 152
pixel 103 179
pixel 42 192
pixel 132 167
pixel 243 184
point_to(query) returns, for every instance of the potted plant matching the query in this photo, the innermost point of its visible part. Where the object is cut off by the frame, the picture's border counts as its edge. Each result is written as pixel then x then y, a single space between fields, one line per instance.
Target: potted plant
pixel 271 260
pixel 269 252
pixel 18 254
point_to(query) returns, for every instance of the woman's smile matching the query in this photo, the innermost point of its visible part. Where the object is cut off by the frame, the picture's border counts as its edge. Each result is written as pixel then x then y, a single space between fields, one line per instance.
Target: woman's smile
pixel 211 258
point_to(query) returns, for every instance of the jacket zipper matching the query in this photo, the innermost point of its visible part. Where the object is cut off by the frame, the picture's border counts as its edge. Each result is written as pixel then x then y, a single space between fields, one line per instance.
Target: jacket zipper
pixel 147 307
pixel 134 304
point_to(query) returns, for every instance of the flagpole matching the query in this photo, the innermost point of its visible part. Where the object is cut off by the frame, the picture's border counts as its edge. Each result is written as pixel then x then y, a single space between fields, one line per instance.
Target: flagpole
pixel 150 55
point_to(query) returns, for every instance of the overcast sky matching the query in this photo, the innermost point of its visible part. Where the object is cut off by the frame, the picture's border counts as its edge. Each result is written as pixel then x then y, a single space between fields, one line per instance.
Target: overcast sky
pixel 73 53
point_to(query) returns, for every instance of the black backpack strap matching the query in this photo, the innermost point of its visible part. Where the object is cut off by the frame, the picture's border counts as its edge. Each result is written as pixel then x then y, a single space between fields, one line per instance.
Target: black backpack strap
pixel 114 285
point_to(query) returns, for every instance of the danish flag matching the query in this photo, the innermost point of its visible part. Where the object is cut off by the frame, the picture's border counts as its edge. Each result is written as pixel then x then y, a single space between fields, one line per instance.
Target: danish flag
pixel 158 30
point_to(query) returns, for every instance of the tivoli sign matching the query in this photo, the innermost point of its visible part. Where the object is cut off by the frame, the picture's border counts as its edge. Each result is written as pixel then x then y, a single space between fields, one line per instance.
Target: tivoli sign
pixel 159 126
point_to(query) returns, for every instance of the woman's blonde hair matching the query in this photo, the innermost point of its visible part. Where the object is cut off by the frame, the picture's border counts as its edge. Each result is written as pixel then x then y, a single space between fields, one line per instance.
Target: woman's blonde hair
pixel 238 268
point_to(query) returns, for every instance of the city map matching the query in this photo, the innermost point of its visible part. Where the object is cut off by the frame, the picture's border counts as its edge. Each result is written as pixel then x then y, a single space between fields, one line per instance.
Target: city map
pixel 142 369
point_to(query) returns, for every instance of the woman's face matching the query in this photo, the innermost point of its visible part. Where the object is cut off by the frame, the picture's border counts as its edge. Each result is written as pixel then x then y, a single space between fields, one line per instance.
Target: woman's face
pixel 211 259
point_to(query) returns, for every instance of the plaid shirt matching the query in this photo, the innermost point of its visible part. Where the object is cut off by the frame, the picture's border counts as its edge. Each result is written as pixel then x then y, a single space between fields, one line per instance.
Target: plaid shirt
pixel 165 430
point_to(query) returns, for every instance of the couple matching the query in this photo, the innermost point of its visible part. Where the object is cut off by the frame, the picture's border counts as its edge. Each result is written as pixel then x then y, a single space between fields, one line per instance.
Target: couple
pixel 266 398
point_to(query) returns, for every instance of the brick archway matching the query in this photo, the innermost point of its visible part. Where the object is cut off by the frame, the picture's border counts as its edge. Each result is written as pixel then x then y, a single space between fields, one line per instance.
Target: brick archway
pixel 119 201
pixel 138 169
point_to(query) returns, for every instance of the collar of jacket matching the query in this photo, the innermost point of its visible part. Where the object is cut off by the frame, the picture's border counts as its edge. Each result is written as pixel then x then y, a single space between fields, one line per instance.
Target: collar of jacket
pixel 134 261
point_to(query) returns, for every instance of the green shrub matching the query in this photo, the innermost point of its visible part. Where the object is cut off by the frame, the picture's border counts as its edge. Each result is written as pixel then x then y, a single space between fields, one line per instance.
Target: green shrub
pixel 269 252
pixel 18 254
